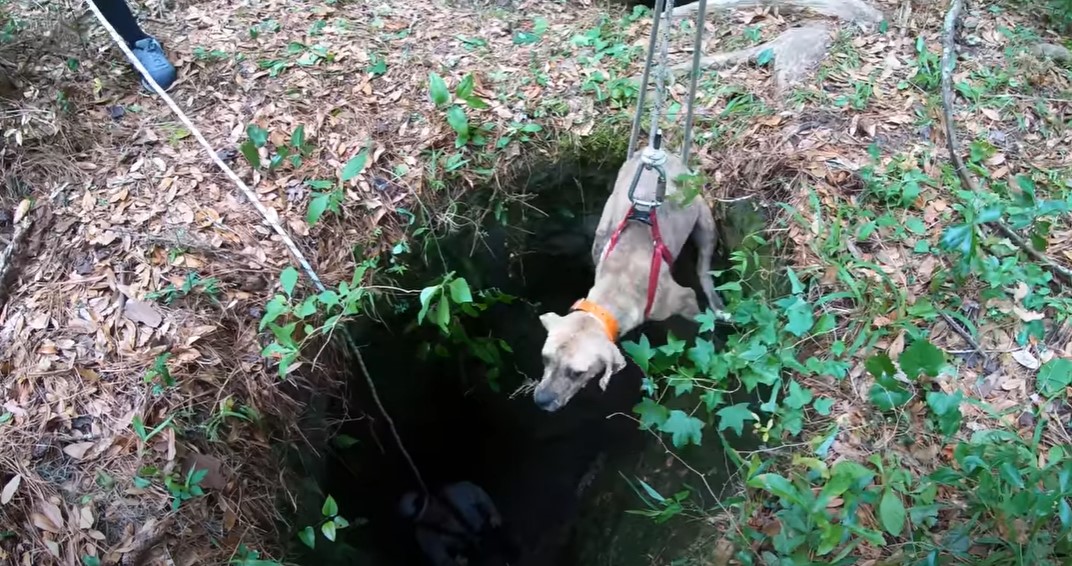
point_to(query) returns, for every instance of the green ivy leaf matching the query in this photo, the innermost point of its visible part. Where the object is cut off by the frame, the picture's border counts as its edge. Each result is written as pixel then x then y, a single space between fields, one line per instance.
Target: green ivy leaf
pixel 641 352
pixel 1053 377
pixel 702 354
pixel 459 291
pixel 799 313
pixel 734 417
pixel 330 508
pixel 437 90
pixel 765 56
pixel 249 151
pixel 823 405
pixel 798 396
pixel 257 135
pixel 340 522
pixel 318 205
pixel 707 321
pixel 652 414
pixel 891 512
pixel 308 537
pixel 922 356
pixel 288 279
pixel 683 429
pixel 355 165
pixel 328 528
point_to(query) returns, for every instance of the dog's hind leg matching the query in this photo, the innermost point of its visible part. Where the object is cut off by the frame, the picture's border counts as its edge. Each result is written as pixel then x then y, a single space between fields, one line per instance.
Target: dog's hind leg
pixel 673 299
pixel 705 234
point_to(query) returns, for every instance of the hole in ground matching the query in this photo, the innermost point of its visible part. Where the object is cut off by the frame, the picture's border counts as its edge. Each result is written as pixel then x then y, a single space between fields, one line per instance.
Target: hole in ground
pixel 543 470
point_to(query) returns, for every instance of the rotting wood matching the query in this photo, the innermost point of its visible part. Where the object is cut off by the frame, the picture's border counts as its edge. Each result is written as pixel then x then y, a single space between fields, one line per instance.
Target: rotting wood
pixel 949 60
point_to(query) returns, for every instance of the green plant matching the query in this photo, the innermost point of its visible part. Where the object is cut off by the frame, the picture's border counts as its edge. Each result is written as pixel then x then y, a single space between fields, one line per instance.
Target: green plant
pixel 159 375
pixel 330 524
pixel 291 323
pixel 456 116
pixel 184 488
pixel 246 556
pixel 293 152
pixel 446 305
pixel 144 434
pixel 193 284
pixel 660 509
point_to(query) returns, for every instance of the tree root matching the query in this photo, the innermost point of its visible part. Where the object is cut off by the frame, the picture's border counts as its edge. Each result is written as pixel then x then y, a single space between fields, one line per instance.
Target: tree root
pixel 795 53
pixel 949 60
pixel 855 11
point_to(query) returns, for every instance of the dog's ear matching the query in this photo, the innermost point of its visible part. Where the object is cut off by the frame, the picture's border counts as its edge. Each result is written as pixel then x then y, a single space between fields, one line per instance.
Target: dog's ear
pixel 548 319
pixel 615 363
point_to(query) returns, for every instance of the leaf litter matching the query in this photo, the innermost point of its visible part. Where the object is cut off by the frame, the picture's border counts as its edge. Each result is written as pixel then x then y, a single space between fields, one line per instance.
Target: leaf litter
pixel 128 209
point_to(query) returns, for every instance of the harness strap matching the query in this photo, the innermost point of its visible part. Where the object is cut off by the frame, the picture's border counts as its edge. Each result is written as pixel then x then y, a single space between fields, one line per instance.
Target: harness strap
pixel 660 254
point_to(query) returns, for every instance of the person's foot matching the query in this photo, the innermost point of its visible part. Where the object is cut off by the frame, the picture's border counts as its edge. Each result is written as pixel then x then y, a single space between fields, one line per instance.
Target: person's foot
pixel 151 55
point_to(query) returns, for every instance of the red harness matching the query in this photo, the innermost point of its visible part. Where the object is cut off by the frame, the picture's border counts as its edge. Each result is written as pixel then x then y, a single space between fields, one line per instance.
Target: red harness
pixel 660 254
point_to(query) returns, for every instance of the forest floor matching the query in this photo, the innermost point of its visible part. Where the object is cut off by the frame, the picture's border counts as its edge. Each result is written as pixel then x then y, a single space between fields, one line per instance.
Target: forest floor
pixel 130 328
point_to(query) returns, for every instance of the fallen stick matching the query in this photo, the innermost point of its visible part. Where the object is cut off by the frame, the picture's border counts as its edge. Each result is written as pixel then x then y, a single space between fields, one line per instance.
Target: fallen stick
pixel 949 61
pixel 23 221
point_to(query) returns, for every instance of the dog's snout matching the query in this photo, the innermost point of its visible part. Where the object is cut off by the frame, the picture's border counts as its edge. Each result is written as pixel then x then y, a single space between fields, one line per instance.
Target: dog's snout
pixel 544 399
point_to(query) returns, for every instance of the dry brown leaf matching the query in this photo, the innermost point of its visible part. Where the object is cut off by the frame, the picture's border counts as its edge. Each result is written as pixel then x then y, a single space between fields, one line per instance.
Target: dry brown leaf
pixel 49 518
pixel 143 312
pixel 1012 384
pixel 77 450
pixel 10 489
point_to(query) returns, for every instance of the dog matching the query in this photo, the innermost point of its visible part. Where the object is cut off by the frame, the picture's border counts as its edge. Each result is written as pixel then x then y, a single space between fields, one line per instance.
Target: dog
pixel 629 255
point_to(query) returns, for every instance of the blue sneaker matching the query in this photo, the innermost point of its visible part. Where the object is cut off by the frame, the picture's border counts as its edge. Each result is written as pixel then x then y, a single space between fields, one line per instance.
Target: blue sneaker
pixel 151 55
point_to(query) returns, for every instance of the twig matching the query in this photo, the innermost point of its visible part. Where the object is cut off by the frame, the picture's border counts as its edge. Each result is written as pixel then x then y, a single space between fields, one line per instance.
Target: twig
pixel 7 255
pixel 270 217
pixel 949 61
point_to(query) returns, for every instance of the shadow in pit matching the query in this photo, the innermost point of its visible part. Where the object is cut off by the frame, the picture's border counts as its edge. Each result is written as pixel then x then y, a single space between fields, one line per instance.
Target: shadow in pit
pixel 535 465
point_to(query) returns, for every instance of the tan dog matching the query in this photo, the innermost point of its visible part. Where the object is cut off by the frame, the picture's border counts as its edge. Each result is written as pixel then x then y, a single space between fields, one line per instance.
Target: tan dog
pixel 583 344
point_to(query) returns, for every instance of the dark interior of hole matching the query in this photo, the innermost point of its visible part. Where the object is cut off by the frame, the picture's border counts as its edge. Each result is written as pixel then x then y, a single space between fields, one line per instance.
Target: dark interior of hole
pixel 532 463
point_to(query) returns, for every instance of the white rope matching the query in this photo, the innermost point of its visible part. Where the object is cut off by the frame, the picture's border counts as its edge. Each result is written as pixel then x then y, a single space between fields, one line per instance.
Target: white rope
pixel 273 222
pixel 250 194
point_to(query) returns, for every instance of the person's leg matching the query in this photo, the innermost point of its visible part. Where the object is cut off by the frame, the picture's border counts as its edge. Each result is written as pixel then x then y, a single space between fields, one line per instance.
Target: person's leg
pixel 145 48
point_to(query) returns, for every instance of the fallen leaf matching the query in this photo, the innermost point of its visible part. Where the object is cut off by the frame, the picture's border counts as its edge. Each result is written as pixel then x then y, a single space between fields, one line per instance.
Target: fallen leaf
pixel 1026 315
pixel 143 312
pixel 10 488
pixel 21 210
pixel 50 518
pixel 214 479
pixel 77 450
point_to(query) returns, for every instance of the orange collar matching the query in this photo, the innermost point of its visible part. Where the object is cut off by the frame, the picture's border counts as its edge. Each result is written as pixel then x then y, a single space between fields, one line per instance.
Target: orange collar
pixel 610 324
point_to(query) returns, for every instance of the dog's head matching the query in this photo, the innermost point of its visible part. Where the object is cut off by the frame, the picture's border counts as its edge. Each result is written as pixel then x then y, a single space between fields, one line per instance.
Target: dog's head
pixel 576 351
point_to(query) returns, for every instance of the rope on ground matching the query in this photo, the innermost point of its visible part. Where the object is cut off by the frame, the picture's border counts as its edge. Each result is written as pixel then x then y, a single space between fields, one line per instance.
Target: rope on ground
pixel 270 217
pixel 949 62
